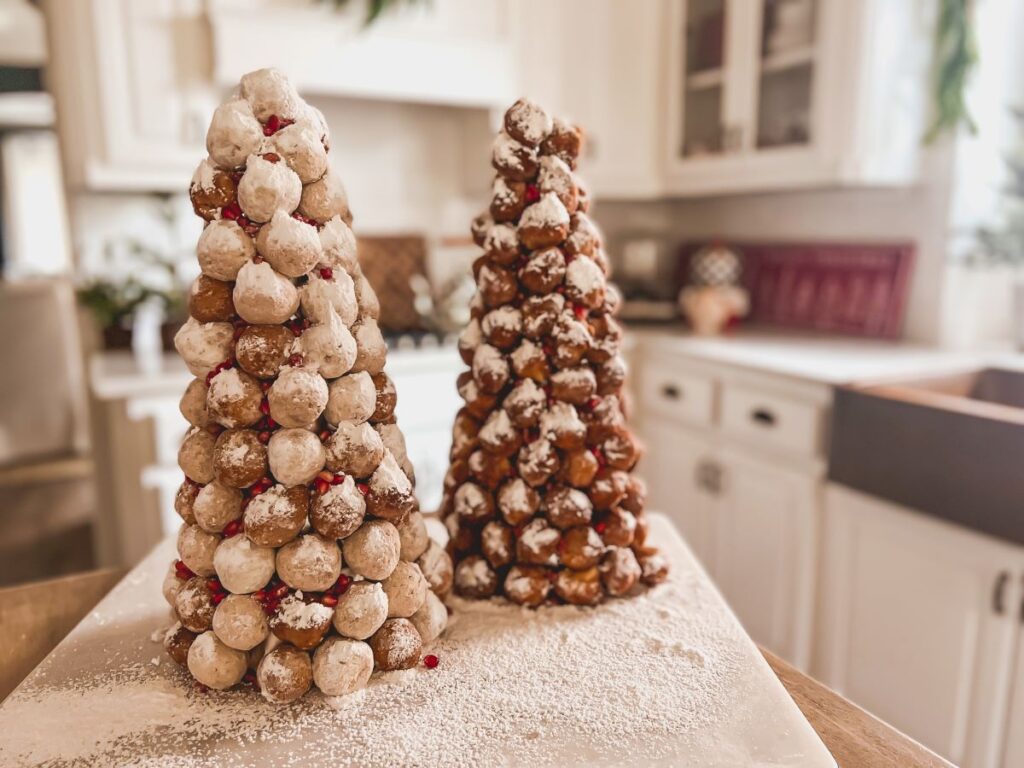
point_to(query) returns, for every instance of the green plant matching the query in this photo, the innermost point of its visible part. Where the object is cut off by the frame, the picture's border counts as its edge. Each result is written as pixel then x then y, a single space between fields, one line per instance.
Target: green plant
pixel 374 8
pixel 1005 244
pixel 113 301
pixel 956 56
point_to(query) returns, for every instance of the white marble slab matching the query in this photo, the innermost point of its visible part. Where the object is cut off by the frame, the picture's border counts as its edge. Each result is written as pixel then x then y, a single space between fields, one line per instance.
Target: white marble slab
pixel 668 678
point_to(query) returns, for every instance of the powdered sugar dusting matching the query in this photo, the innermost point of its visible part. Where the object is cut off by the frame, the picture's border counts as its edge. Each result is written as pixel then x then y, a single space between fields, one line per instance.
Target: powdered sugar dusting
pixel 665 678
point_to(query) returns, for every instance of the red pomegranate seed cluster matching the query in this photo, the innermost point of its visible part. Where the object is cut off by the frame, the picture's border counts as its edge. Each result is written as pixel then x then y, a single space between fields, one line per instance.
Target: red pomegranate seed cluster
pixel 182 571
pixel 227 364
pixel 270 596
pixel 275 124
pixel 233 528
pixel 217 591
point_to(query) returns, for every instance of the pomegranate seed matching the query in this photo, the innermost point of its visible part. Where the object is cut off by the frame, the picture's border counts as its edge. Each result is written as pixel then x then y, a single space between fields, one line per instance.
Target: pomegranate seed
pixel 341 585
pixel 213 585
pixel 263 437
pixel 236 176
pixel 329 600
pixel 560 289
pixel 281 592
pixel 182 571
pixel 257 259
pixel 325 435
pixel 430 661
pixel 338 479
pixel 601 461
pixel 218 598
pixel 271 157
pixel 231 211
pixel 593 402
pixel 232 529
pixel 201 688
pixel 295 360
pixel 265 386
pixel 532 193
pixel 326 273
pixel 601 527
pixel 259 596
pixel 321 486
pixel 271 424
pixel 272 126
pixel 249 678
pixel 251 228
pixel 305 219
pixel 580 311
pixel 363 488
pixel 325 475
pixel 264 406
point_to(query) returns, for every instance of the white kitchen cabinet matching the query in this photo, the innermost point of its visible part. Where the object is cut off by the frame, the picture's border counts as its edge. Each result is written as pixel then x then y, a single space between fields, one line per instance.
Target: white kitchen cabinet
pixel 132 90
pixel 920 625
pixel 700 97
pixel 677 470
pixel 746 499
pixel 1013 752
pixel 765 550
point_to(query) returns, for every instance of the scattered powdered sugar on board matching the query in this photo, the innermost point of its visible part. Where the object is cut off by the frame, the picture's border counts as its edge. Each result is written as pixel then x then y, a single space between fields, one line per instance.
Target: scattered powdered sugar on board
pixel 652 680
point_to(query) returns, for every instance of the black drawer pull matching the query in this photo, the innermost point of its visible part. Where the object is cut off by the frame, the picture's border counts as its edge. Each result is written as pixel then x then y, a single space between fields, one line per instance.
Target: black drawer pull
pixel 763 416
pixel 671 392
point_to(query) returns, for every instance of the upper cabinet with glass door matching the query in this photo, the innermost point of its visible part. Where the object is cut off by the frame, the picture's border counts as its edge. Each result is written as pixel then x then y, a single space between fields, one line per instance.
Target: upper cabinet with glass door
pixel 774 94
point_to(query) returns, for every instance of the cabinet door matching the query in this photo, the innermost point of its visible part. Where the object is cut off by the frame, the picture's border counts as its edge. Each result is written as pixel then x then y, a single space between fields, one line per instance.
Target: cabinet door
pixel 675 468
pixel 919 624
pixel 1013 755
pixel 765 534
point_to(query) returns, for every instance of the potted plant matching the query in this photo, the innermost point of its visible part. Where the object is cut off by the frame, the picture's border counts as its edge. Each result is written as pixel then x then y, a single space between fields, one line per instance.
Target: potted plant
pixel 113 298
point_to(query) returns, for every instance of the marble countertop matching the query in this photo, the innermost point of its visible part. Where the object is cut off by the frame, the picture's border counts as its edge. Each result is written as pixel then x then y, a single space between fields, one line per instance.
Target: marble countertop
pixel 827 360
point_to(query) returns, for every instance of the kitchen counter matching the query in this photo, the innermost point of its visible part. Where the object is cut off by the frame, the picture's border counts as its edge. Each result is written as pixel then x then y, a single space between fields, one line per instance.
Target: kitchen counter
pixel 829 360
pixel 38 622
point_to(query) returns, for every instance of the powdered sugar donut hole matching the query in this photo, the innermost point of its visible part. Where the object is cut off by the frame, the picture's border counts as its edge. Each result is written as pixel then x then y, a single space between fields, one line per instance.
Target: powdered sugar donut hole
pixel 311 563
pixel 361 610
pixel 240 622
pixel 405 588
pixel 196 548
pixel 295 456
pixel 214 664
pixel 241 566
pixel 284 674
pixel 431 618
pixel 373 550
pixel 342 666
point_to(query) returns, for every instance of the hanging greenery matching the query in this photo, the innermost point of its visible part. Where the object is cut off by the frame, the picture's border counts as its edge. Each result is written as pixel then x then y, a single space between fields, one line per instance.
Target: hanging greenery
pixel 956 56
pixel 374 8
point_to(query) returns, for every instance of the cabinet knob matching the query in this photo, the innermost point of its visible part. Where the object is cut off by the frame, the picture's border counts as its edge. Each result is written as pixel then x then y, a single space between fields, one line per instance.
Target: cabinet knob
pixel 763 416
pixel 998 592
pixel 671 392
pixel 709 476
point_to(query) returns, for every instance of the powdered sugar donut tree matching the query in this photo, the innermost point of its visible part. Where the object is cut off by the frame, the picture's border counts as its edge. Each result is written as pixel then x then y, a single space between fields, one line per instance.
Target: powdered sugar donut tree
pixel 303 557
pixel 540 499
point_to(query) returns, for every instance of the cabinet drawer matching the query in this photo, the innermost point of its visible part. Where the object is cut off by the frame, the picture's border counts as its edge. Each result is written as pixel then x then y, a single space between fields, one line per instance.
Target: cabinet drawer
pixel 670 390
pixel 771 419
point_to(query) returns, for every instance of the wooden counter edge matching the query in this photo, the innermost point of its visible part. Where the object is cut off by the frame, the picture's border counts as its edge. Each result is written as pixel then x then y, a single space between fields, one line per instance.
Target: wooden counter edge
pixel 855 738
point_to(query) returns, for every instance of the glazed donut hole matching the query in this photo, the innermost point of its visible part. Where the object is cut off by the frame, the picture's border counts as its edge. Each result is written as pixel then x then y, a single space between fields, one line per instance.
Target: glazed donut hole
pixel 295 456
pixel 194 606
pixel 214 664
pixel 301 621
pixel 196 548
pixel 474 578
pixel 239 458
pixel 405 589
pixel 223 248
pixel 240 622
pixel 396 645
pixel 373 550
pixel 196 456
pixel 233 399
pixel 177 641
pixel 268 186
pixel 431 618
pixel 261 350
pixel 215 506
pixel 276 516
pixel 354 449
pixel 204 346
pixel 361 610
pixel 342 666
pixel 284 674
pixel 310 563
pixel 263 296
pixel 193 404
pixel 527 584
pixel 437 568
pixel 290 246
pixel 242 566
pixel 297 397
pixel 210 301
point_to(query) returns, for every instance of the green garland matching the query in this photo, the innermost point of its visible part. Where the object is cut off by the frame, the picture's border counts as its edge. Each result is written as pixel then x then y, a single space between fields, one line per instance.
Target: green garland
pixel 956 56
pixel 374 8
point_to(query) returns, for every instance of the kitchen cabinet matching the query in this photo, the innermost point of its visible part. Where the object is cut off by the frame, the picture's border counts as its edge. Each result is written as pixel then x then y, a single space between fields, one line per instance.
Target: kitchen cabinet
pixel 132 90
pixel 750 515
pixel 701 97
pixel 920 625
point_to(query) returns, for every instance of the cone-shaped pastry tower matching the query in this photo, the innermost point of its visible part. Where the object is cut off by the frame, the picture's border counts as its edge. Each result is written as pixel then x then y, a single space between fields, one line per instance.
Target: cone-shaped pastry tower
pixel 303 557
pixel 540 500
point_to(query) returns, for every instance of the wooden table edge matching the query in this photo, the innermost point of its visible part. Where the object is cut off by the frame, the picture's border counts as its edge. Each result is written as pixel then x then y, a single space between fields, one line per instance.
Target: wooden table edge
pixel 855 737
